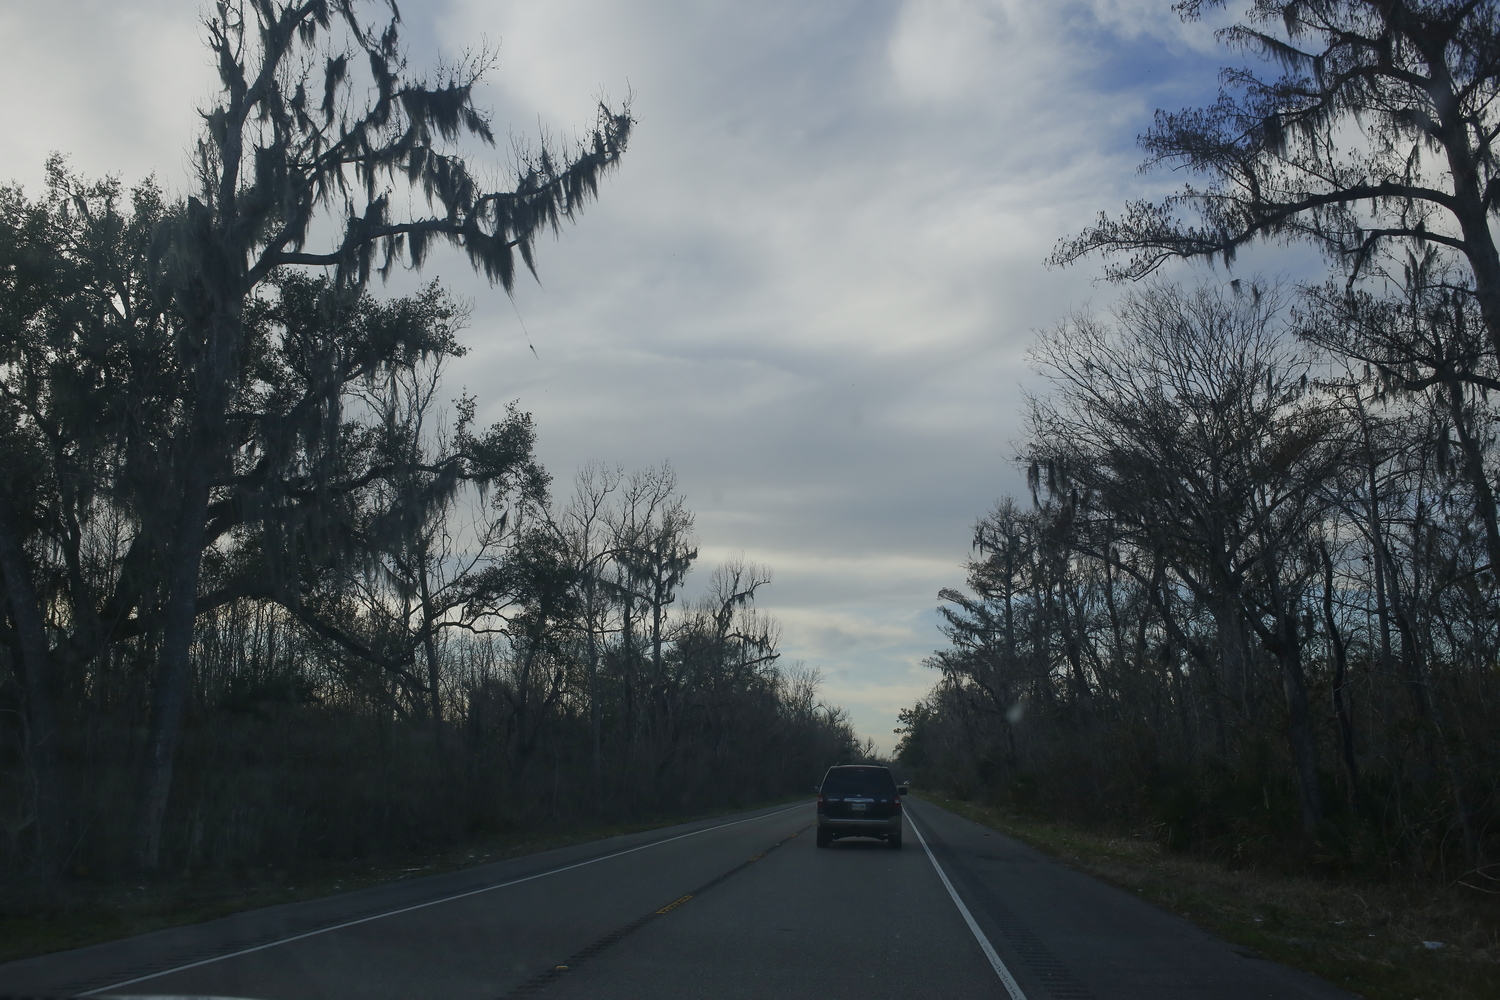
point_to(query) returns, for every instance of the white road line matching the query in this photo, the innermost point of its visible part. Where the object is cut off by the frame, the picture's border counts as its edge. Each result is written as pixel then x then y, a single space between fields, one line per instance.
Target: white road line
pixel 431 902
pixel 1006 978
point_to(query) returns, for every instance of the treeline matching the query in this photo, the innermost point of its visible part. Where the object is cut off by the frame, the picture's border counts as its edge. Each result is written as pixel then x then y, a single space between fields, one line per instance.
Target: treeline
pixel 1249 596
pixel 267 598
pixel 399 640
pixel 1251 601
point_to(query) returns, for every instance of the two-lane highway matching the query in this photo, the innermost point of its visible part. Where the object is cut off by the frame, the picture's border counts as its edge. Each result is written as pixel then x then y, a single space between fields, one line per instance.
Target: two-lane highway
pixel 745 906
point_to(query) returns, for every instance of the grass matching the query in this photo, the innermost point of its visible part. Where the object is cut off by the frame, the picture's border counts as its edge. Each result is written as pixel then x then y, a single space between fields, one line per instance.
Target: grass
pixel 78 912
pixel 1368 938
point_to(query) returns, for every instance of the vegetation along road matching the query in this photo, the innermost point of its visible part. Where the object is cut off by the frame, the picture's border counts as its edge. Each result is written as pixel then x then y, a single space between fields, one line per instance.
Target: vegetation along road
pixel 738 906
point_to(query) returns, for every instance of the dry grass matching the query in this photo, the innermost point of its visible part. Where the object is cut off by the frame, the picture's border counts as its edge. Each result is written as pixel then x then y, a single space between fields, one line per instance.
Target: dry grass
pixel 80 913
pixel 1367 938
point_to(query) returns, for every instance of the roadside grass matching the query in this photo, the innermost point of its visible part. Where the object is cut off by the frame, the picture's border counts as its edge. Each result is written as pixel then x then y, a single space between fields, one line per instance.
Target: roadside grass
pixel 78 912
pixel 1365 937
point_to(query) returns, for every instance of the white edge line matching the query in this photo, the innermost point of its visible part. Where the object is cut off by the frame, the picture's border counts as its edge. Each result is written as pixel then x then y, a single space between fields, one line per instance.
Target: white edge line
pixel 1009 981
pixel 435 902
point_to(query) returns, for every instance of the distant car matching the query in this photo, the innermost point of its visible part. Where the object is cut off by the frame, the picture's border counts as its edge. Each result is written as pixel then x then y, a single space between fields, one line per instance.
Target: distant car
pixel 859 800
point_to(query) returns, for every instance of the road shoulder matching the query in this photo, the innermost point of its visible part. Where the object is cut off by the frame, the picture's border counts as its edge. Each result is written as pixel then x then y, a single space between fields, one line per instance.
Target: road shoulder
pixel 1368 939
pixel 1066 934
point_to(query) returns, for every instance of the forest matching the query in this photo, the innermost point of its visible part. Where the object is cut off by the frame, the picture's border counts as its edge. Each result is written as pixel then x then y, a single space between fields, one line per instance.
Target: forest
pixel 1248 602
pixel 271 593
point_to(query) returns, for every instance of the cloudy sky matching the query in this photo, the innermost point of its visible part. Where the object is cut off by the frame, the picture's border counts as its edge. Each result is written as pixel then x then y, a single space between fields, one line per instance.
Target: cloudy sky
pixel 811 285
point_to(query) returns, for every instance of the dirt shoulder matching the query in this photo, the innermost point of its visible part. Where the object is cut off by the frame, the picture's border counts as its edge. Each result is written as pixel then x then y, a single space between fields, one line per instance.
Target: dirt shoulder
pixel 1380 941
pixel 78 913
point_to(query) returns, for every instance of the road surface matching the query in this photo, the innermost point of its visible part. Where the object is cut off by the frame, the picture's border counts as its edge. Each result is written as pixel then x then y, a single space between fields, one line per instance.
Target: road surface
pixel 742 906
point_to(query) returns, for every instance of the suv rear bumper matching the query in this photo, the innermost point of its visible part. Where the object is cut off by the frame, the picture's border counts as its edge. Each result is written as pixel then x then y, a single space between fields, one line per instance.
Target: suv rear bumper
pixel 861 827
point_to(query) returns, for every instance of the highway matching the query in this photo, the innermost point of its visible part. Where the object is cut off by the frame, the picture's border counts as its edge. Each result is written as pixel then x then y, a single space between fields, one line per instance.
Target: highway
pixel 740 906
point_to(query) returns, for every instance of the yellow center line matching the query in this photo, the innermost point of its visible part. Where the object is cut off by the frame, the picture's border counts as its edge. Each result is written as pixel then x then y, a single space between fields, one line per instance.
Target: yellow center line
pixel 675 903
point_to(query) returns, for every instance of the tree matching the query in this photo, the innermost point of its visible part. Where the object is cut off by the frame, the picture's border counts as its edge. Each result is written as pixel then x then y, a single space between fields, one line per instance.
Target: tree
pixel 1335 149
pixel 725 650
pixel 651 553
pixel 411 526
pixel 87 384
pixel 538 581
pixel 1426 339
pixel 288 141
pixel 1190 432
pixel 991 650
pixel 583 527
pixel 1376 144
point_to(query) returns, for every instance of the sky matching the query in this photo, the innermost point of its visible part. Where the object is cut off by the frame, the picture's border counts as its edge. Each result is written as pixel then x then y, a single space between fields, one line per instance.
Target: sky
pixel 810 286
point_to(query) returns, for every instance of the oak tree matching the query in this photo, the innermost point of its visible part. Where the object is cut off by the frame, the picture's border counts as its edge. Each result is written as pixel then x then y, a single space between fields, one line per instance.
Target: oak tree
pixel 319 119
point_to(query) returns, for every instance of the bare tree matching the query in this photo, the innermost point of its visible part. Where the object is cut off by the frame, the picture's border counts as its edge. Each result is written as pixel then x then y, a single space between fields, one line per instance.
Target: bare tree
pixel 1190 431
pixel 651 555
pixel 585 529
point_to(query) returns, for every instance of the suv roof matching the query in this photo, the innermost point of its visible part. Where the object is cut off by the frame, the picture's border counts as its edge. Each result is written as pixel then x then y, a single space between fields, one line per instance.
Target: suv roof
pixel 861 774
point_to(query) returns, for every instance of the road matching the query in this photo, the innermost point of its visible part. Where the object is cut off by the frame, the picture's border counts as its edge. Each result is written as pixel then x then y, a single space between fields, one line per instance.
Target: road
pixel 743 906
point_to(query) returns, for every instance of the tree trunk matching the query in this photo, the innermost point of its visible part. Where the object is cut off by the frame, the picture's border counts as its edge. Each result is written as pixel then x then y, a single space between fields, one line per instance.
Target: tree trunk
pixel 1234 654
pixel 627 678
pixel 1469 202
pixel 42 734
pixel 595 736
pixel 429 650
pixel 202 458
pixel 1083 694
pixel 1299 720
pixel 1431 711
pixel 170 692
pixel 1377 562
pixel 1474 472
pixel 434 687
pixel 1340 675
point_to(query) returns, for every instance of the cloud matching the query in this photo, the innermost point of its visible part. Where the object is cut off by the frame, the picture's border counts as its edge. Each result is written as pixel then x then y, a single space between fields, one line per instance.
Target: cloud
pixel 113 85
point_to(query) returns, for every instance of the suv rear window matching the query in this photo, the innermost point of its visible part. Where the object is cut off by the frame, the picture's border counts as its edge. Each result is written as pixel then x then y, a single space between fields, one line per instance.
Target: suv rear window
pixel 875 782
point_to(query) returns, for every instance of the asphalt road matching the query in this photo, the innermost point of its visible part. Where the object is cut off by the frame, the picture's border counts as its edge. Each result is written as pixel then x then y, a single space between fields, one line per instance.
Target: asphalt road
pixel 744 906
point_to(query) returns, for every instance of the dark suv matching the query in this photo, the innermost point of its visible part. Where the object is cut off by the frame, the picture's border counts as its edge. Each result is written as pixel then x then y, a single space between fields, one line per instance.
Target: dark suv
pixel 859 800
